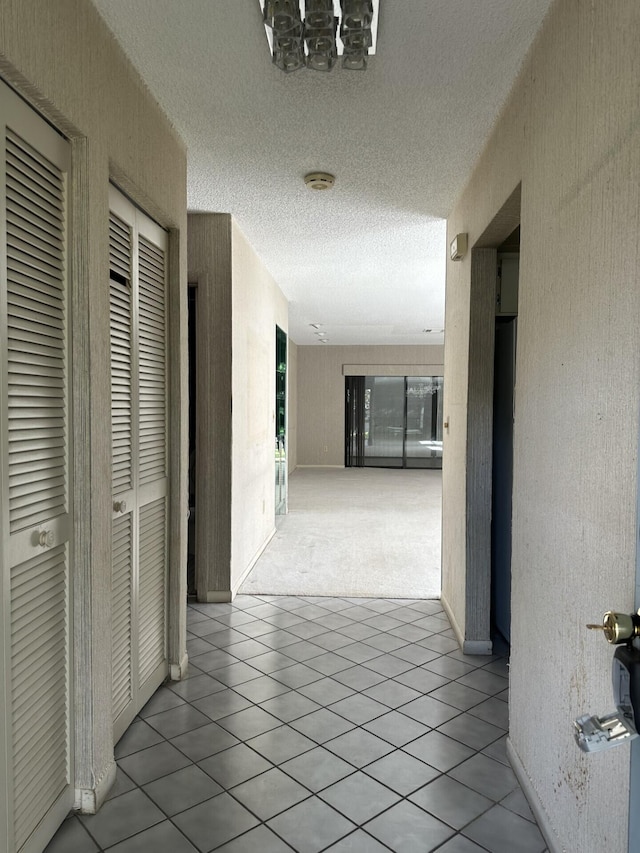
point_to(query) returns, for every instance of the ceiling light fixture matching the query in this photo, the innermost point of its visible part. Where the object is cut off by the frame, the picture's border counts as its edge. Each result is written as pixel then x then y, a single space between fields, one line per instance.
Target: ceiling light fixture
pixel 316 40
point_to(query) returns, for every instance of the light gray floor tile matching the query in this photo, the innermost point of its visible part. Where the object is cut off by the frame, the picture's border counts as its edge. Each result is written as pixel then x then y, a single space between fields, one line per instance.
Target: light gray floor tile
pixel 139 735
pixel 501 831
pixel 196 687
pixel 410 633
pixel 317 769
pixel 389 665
pixel 458 695
pixel 272 661
pixel 407 828
pixel 122 784
pixel 326 691
pixel 311 826
pixel 234 765
pixel 237 673
pixel 359 652
pixel 329 663
pixel 359 797
pixel 429 711
pixel 225 637
pixel 486 776
pixel 303 650
pixel 358 677
pixel 359 747
pixel 162 838
pixel 258 840
pixel 247 649
pixel 438 643
pixel 383 622
pixel 279 745
pixel 290 706
pixel 284 620
pixel 162 700
pixel 391 693
pixel 332 640
pixel 182 790
pixel 122 817
pixel 307 630
pixel 151 763
pixel 471 731
pixel 221 704
pixel 448 666
pixel 270 793
pixel 257 629
pixel 178 720
pixel 261 689
pixel 386 642
pixel 498 750
pixel 401 772
pixel 249 723
pixel 358 842
pixel 517 802
pixel 460 844
pixel 396 728
pixel 322 725
pixel 451 802
pixel 359 709
pixel 334 622
pixel 485 681
pixel 297 676
pixel 494 711
pixel 213 660
pixel 439 751
pixel 422 679
pixel 417 655
pixel 72 837
pixel 212 823
pixel 359 632
pixel 203 742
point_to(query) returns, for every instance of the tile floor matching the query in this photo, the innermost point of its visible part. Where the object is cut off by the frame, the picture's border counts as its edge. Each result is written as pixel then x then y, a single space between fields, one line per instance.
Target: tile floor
pixel 313 724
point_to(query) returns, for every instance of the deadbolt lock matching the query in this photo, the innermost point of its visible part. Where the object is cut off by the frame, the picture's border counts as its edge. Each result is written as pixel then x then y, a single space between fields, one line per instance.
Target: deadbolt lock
pixel 619 627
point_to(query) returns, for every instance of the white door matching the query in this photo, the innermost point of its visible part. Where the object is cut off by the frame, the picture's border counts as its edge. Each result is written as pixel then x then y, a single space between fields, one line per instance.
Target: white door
pixel 137 286
pixel 35 521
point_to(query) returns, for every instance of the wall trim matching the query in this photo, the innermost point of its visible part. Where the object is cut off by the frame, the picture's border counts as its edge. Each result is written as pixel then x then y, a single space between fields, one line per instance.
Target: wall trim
pixel 468 647
pixel 320 466
pixel 392 369
pixel 89 800
pixel 178 671
pixel 535 805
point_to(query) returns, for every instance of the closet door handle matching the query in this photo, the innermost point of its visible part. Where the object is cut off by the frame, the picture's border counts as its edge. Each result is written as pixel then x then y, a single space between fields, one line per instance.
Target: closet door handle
pixel 46 538
pixel 119 506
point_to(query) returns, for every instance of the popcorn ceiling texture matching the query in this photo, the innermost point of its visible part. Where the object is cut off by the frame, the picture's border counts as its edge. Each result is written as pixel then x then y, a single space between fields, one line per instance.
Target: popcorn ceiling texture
pixel 370 254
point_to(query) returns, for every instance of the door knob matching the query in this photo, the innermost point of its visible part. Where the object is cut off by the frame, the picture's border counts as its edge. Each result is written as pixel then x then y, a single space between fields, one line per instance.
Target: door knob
pixel 618 627
pixel 46 538
pixel 119 506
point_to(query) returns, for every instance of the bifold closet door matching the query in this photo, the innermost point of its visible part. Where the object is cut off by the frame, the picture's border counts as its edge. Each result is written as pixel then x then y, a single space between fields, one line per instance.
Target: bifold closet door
pixel 137 287
pixel 35 659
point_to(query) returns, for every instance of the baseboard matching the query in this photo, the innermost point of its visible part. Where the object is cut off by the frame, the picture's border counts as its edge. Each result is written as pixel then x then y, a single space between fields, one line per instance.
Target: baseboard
pixel 249 568
pixel 320 466
pixel 218 596
pixel 468 647
pixel 89 800
pixel 535 805
pixel 178 671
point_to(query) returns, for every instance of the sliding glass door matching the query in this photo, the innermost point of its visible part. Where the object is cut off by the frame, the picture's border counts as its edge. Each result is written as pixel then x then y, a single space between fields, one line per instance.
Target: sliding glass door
pixel 394 421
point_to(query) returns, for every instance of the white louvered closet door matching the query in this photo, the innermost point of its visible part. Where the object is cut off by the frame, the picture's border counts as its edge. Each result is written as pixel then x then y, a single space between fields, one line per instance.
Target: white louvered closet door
pixel 137 283
pixel 35 741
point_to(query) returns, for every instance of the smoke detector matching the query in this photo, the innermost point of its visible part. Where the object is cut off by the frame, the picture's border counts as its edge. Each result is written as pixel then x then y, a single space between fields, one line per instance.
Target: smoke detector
pixel 319 180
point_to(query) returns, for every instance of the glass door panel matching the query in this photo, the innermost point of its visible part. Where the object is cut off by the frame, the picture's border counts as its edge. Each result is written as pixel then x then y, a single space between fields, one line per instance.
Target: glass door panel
pixel 423 436
pixel 384 421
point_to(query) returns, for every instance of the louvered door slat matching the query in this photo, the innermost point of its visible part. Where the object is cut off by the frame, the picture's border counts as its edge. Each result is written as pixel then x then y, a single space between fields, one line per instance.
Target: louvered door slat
pixel 35 326
pixel 152 581
pixel 152 369
pixel 39 709
pixel 121 602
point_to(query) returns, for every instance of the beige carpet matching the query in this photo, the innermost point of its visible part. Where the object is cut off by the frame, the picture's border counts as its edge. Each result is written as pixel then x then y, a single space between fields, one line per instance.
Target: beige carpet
pixel 357 532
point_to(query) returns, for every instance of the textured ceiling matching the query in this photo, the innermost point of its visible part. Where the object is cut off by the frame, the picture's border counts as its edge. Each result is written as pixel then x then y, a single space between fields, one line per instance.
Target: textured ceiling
pixel 366 259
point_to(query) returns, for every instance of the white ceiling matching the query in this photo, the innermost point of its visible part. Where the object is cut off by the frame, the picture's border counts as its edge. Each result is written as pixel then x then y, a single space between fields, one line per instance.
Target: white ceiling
pixel 366 259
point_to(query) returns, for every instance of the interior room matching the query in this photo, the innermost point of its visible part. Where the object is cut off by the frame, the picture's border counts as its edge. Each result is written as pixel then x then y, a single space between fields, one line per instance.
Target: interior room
pixel 225 229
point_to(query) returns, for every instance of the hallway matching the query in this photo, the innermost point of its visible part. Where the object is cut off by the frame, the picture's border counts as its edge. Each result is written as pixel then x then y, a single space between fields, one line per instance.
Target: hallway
pixel 314 724
pixel 355 532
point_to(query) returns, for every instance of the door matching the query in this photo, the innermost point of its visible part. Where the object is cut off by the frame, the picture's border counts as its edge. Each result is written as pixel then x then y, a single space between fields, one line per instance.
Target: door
pixel 35 659
pixel 137 288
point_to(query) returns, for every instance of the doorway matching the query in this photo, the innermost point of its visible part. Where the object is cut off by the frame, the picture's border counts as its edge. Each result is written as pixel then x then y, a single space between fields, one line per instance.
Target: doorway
pixel 393 421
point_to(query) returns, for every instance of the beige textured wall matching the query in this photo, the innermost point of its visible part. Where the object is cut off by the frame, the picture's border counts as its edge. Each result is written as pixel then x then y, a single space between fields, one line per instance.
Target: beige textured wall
pixel 62 58
pixel 292 406
pixel 320 429
pixel 257 306
pixel 571 133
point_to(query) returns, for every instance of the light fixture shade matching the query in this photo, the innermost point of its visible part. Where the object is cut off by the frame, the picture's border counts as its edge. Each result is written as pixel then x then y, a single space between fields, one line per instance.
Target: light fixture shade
pixel 354 60
pixel 355 32
pixel 288 49
pixel 282 15
pixel 321 45
pixel 318 14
